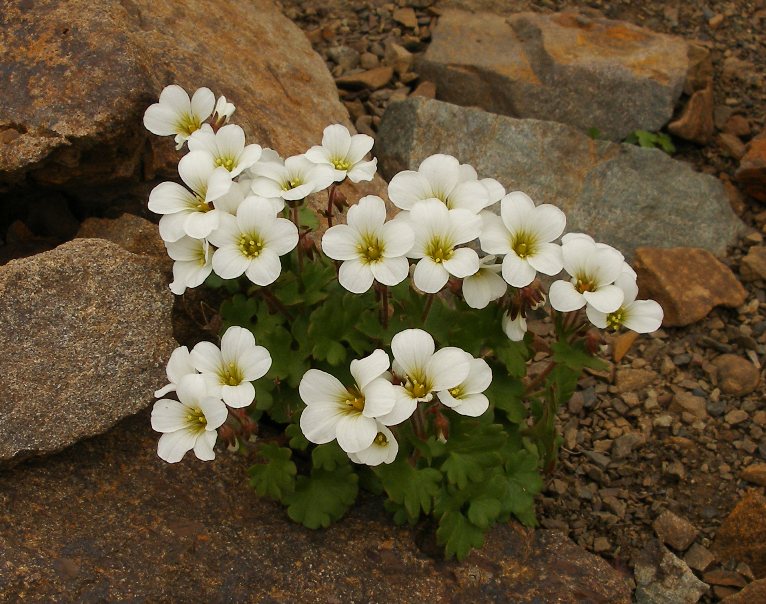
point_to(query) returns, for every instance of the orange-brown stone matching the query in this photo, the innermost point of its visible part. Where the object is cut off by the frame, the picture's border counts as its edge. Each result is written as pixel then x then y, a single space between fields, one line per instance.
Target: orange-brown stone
pixel 742 535
pixel 752 168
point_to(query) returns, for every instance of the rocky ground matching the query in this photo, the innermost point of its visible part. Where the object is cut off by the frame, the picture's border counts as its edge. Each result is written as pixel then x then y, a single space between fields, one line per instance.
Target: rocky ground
pixel 665 448
pixel 672 437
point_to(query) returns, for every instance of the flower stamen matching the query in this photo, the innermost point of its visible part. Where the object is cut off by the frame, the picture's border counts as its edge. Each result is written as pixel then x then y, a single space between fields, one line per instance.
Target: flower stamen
pixel 251 246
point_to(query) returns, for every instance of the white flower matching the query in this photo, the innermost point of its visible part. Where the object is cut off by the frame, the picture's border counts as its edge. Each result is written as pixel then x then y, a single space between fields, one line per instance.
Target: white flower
pixel 193 263
pixel 423 371
pixel 252 242
pixel 227 146
pixel 230 369
pixel 179 365
pixel 348 414
pixel 641 316
pixel 296 179
pixel 369 247
pixel 466 398
pixel 495 191
pixel 593 268
pixel 484 285
pixel 515 328
pixel 345 154
pixel 190 423
pixel 439 177
pixel 437 233
pixel 382 450
pixel 177 114
pixel 191 212
pixel 223 109
pixel 524 233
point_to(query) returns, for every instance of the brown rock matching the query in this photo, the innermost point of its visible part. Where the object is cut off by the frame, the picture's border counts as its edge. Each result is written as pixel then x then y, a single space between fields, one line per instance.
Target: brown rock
pixel 736 416
pixel 87 333
pixel 699 558
pixel 742 534
pixel 699 74
pixel 727 578
pixel 675 531
pixel 752 168
pixel 95 68
pixel 425 89
pixel 736 375
pixel 372 79
pixel 398 57
pixel 752 593
pixel 685 401
pixel 369 61
pixel 755 473
pixel 687 282
pixel 622 344
pixel 696 121
pixel 731 145
pixel 132 233
pixel 585 72
pixel 634 380
pixel 140 528
pixel 754 264
pixel 406 16
pixel 737 125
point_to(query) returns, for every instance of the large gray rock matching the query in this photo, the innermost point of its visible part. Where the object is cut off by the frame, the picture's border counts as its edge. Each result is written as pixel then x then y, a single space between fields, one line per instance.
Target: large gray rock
pixel 586 72
pixel 86 335
pixel 663 578
pixel 620 194
pixel 147 531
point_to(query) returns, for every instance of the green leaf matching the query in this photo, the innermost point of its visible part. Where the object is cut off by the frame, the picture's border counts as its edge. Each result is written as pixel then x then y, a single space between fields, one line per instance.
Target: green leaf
pixel 458 535
pixel 297 442
pixel 276 477
pixel 308 218
pixel 514 355
pixel 322 498
pixel 593 133
pixel 575 356
pixel 413 488
pixel 505 393
pixel 524 483
pixel 483 511
pixel 328 457
pixel 471 448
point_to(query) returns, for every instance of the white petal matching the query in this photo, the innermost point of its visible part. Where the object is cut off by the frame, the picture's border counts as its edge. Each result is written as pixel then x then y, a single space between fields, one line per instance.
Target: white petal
pixel 195 169
pixel 479 377
pixel 464 262
pixel 608 264
pixel 203 446
pixel 369 368
pixel 515 328
pixel 238 396
pixel 172 226
pixel 379 398
pixel 264 269
pixel 169 198
pixel 517 272
pixel 403 408
pixel 179 364
pixel 202 103
pixel 398 238
pixel 218 184
pixel 429 276
pixel 471 405
pixel 606 299
pixel 376 454
pixel 174 445
pixel 643 316
pixel 471 196
pixel 361 145
pixel 231 141
pixel 355 432
pixel 227 233
pixel 442 172
pixel 516 210
pixel 368 215
pixel 340 242
pixel 235 343
pixel 318 423
pixel 363 171
pixel 318 387
pixel 191 389
pixel 206 357
pixel 412 348
pixel 483 287
pixel 229 263
pixel 215 412
pixel 337 140
pixel 407 188
pixel 564 297
pixel 495 190
pixel 448 367
pixel 464 226
pixel 547 259
pixel 390 271
pixel 627 283
pixel 281 236
pixel 495 238
pixel 168 416
pixel 199 225
pixel 356 276
pixel 161 120
pixel 596 317
pixel 547 222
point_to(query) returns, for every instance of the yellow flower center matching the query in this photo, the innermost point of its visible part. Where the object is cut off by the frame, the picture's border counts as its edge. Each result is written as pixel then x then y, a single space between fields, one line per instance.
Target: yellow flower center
pixel 341 164
pixel 616 319
pixel 439 250
pixel 456 392
pixel 251 246
pixel 197 420
pixel 187 124
pixel 585 283
pixel 418 387
pixel 524 244
pixel 200 204
pixel 355 400
pixel 370 249
pixel 292 183
pixel 227 162
pixel 231 375
pixel 380 440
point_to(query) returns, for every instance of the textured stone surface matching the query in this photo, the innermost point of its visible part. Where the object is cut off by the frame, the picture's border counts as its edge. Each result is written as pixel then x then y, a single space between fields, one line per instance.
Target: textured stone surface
pixel 696 121
pixel 589 73
pixel 663 578
pixel 86 334
pixel 144 530
pixel 752 169
pixel 752 593
pixel 77 77
pixel 742 535
pixel 753 265
pixel 736 375
pixel 130 232
pixel 687 283
pixel 621 194
pixel 675 531
pixel 755 473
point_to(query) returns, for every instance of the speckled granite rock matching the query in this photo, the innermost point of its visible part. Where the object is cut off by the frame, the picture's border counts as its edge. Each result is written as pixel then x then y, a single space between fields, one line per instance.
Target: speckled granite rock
pixel 663 578
pixel 585 72
pixel 147 531
pixel 86 335
pixel 620 194
pixel 130 232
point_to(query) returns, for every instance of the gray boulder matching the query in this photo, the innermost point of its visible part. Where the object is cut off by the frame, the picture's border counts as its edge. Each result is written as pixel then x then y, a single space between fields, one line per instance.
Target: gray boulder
pixel 622 195
pixel 565 67
pixel 86 334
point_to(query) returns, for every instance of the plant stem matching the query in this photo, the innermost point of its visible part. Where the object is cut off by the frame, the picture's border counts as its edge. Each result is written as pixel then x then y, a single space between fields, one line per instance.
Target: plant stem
pixel 538 379
pixel 274 302
pixel 330 203
pixel 384 306
pixel 297 221
pixel 427 308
